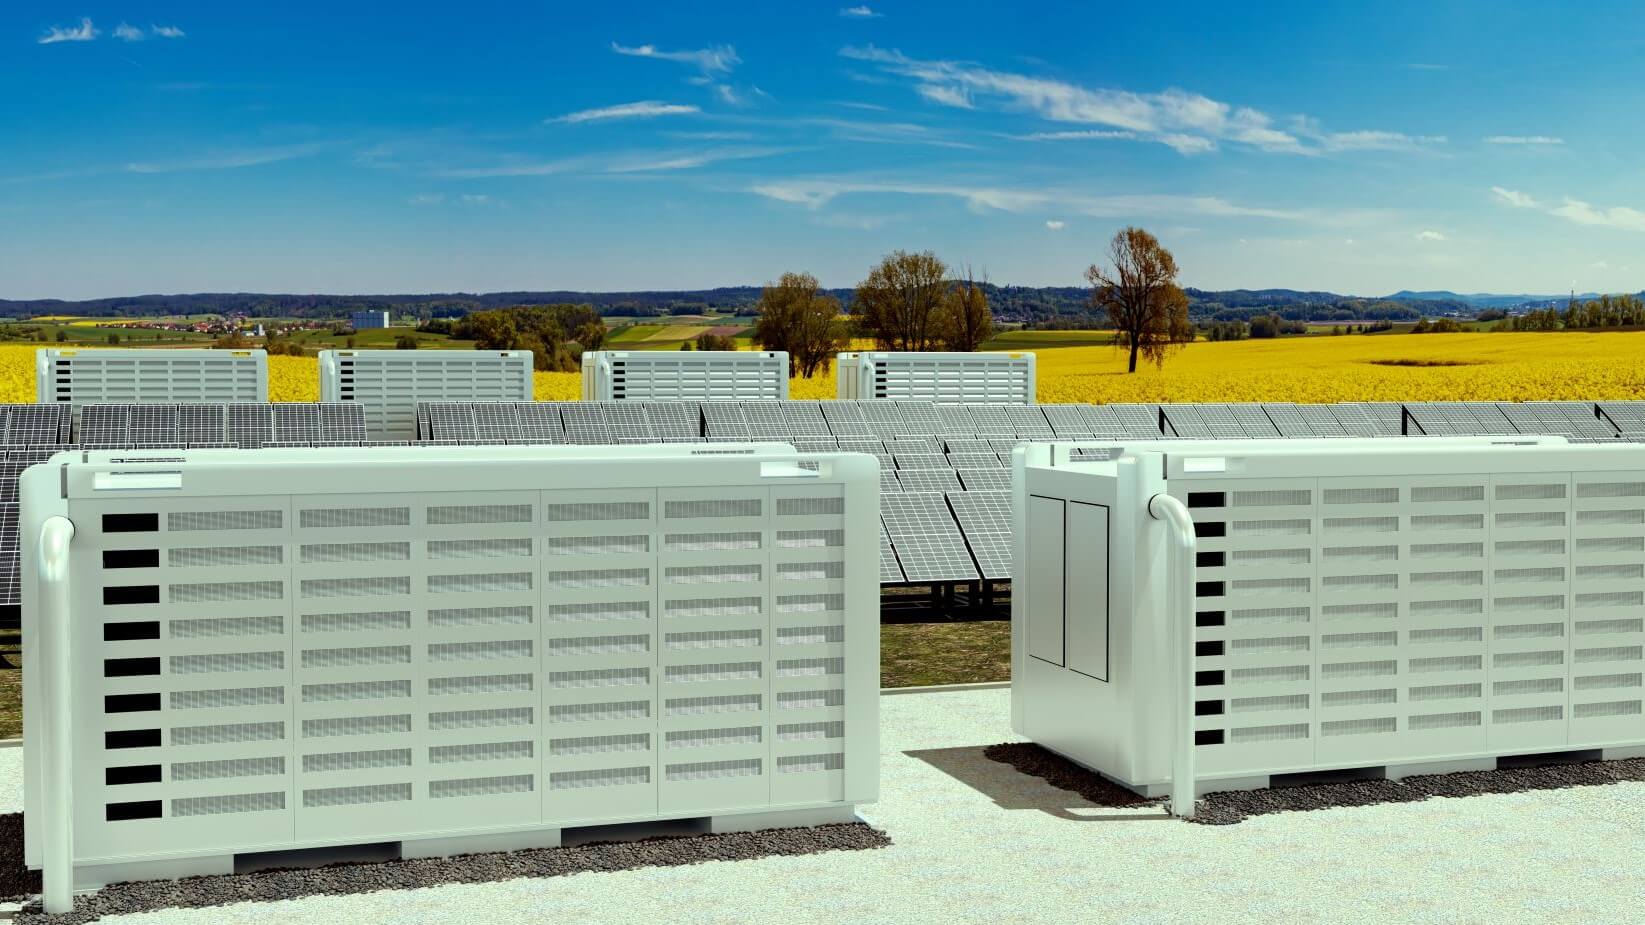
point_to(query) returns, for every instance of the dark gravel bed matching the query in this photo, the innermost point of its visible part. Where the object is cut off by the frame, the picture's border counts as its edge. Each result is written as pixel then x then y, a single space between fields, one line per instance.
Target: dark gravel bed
pixel 344 879
pixel 1232 806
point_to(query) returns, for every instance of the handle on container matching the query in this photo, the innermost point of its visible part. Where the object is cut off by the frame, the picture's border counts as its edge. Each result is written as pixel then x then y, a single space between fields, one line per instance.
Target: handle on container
pixel 1180 607
pixel 57 867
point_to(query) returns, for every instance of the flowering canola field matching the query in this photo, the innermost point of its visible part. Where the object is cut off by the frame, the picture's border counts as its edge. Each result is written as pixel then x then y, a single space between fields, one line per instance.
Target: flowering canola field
pixel 1387 367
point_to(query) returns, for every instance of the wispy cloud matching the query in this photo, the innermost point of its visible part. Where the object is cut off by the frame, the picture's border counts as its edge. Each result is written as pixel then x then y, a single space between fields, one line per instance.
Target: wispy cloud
pixel 727 95
pixel 624 162
pixel 882 132
pixel 129 33
pixel 1055 224
pixel 644 109
pixel 1190 123
pixel 720 59
pixel 711 136
pixel 1079 135
pixel 859 12
pixel 1575 210
pixel 816 193
pixel 228 160
pixel 84 32
pixel 851 104
pixel 1523 140
pixel 1430 236
pixel 685 160
pixel 167 32
pixel 521 169
pixel 427 199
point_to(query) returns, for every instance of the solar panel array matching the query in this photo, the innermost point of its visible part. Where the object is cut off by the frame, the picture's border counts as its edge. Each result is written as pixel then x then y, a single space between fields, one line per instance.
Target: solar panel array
pixel 952 461
pixel 243 425
pixel 29 434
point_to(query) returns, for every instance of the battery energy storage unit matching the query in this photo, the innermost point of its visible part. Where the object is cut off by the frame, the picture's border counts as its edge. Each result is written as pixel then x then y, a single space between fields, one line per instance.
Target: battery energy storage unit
pixel 81 377
pixel 1415 605
pixel 947 378
pixel 390 383
pixel 456 648
pixel 670 375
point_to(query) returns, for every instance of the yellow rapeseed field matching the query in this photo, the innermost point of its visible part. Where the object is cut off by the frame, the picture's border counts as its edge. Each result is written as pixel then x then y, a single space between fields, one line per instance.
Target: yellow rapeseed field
pixel 1386 367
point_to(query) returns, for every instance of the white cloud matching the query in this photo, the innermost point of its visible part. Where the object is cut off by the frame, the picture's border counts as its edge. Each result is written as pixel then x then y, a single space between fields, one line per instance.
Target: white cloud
pixel 685 160
pixel 129 33
pixel 541 169
pixel 427 199
pixel 84 32
pixel 1190 123
pixel 167 32
pixel 227 160
pixel 1090 134
pixel 946 95
pixel 816 193
pixel 1523 140
pixel 1600 265
pixel 719 59
pixel 727 95
pixel 859 12
pixel 475 199
pixel 644 109
pixel 1430 236
pixel 712 136
pixel 1575 210
pixel 1055 225
pixel 1514 197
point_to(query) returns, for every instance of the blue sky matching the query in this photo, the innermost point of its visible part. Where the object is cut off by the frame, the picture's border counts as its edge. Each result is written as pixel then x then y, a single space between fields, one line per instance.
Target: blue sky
pixel 412 147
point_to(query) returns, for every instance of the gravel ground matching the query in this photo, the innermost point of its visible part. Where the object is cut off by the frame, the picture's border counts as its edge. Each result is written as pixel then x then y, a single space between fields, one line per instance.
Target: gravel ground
pixel 974 840
pixel 11 780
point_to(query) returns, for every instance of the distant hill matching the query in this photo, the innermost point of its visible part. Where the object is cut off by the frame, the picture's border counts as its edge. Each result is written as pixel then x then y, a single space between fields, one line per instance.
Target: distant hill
pixel 1033 304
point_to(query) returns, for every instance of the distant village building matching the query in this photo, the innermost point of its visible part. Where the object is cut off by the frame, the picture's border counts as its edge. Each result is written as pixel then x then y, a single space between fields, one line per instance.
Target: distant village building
pixel 364 320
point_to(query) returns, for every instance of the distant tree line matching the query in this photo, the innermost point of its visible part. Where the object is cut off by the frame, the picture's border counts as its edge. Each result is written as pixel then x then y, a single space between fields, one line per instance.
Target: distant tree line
pixel 556 335
pixel 1607 311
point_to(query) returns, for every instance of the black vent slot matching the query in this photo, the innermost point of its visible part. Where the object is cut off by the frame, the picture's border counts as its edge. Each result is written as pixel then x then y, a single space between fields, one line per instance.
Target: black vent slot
pixel 1209 589
pixel 1210 618
pixel 126 632
pixel 131 594
pixel 130 667
pixel 132 738
pixel 1207 678
pixel 1208 648
pixel 1207 499
pixel 1207 736
pixel 1208 707
pixel 1210 559
pixel 1213 529
pixel 130 703
pixel 135 774
pixel 131 523
pixel 141 809
pixel 131 558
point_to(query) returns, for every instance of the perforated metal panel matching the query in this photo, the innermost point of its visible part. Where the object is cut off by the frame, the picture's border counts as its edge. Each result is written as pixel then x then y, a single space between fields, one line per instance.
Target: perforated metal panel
pixel 79 377
pixel 666 375
pixel 308 647
pixel 1359 603
pixel 940 377
pixel 388 384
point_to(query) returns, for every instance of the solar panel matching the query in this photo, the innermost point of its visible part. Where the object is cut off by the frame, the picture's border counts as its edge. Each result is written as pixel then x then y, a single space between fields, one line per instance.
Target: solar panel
pixel 968 445
pixel 1562 418
pixel 956 419
pixel 1029 421
pixel 975 461
pixel 627 422
pixel 250 425
pixel 1003 446
pixel 584 423
pixel 890 571
pixel 296 424
pixel 805 418
pixel 907 444
pixel 1305 420
pixel 927 541
pixel 1628 416
pixel 765 420
pixel 993 420
pixel 339 421
pixel 845 418
pixel 815 445
pixel 888 480
pixel 929 480
pixel 1384 418
pixel 985 519
pixel 724 419
pixel 920 417
pixel 674 420
pixel 1136 421
pixel 491 422
pixel 104 425
pixel 37 424
pixel 921 461
pixel 1068 420
pixel 1456 417
pixel 540 423
pixel 1215 421
pixel 985 479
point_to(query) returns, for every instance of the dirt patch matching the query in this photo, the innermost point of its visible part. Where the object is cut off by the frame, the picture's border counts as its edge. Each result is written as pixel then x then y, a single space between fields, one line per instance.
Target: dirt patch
pixel 1426 363
pixel 1232 806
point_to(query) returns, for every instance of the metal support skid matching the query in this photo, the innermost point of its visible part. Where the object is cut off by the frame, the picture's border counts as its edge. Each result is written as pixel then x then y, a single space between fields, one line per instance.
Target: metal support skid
pixel 454 648
pixel 1431 605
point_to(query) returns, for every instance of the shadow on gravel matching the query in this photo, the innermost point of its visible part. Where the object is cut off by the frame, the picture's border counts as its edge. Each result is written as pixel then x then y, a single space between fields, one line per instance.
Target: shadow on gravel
pixel 980 769
pixel 346 879
pixel 1232 806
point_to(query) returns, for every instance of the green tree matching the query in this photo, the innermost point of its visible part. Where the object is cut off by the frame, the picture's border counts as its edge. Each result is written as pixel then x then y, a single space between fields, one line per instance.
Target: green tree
pixel 964 321
pixel 1141 296
pixel 897 305
pixel 405 342
pixel 708 340
pixel 796 316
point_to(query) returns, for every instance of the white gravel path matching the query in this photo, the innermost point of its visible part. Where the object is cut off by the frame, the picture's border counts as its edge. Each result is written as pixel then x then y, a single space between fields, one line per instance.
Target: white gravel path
pixel 978 842
pixel 11 779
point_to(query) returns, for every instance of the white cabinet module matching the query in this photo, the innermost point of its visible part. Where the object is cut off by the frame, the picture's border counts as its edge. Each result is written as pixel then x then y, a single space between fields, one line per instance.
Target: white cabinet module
pixel 1422 603
pixel 676 375
pixel 390 383
pixel 81 377
pixel 455 648
pixel 947 378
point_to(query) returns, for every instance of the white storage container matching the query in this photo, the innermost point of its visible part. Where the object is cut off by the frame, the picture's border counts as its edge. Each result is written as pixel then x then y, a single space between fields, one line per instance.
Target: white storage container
pixel 1413 605
pixel 948 378
pixel 390 383
pixel 685 375
pixel 456 648
pixel 82 377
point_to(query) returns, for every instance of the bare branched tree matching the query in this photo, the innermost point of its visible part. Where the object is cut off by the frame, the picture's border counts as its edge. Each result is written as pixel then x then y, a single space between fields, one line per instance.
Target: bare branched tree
pixel 1141 296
